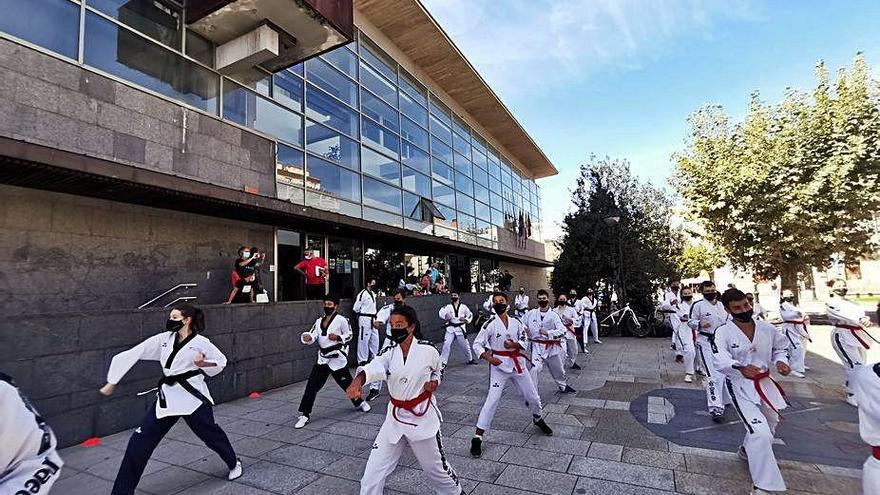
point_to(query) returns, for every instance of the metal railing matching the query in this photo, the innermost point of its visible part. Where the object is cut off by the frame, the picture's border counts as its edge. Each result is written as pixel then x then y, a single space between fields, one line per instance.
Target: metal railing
pixel 169 291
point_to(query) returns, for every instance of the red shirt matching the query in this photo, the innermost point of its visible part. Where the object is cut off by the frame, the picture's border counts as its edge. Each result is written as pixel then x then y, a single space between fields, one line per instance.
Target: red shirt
pixel 315 268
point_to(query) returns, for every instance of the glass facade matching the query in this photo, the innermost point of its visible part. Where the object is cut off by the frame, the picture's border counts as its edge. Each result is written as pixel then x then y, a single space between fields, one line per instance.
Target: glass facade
pixel 357 134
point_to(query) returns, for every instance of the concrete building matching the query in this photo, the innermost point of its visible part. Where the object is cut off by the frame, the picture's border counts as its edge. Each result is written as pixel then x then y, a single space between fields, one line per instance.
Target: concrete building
pixel 143 141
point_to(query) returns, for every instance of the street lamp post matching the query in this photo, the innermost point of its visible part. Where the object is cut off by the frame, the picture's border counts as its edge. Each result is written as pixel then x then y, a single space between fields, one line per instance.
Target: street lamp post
pixel 612 219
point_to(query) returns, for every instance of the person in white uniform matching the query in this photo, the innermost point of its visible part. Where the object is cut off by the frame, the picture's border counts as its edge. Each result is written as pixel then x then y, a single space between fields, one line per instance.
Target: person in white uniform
pixel 568 315
pixel 589 305
pixel 546 333
pixel 383 320
pixel 575 302
pixel 684 335
pixel 705 316
pixel 669 308
pixel 746 351
pixel 794 328
pixel 521 303
pixel 186 358
pixel 504 337
pixel 332 333
pixel 456 316
pixel 412 369
pixel 368 335
pixel 866 388
pixel 760 312
pixel 29 462
pixel 850 335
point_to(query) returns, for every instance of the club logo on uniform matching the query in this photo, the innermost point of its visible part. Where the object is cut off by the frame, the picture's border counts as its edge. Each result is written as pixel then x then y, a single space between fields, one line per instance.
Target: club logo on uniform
pixel 497 335
pixel 375 446
pixel 138 430
pixel 756 421
pixel 403 380
pixel 495 385
pixel 734 345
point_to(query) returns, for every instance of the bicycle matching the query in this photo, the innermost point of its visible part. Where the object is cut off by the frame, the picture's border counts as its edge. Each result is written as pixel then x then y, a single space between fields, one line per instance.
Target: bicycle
pixel 624 320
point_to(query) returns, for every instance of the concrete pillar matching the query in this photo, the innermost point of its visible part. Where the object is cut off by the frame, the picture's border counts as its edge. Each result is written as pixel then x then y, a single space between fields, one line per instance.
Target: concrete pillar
pixel 248 50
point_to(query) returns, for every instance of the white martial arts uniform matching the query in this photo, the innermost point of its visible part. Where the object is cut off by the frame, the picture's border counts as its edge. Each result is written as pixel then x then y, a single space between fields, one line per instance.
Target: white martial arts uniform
pixel 716 315
pixel 418 423
pixel 569 317
pixel 368 337
pixel 794 328
pixel 589 306
pixel 383 316
pixel 459 315
pixel 669 307
pixel 767 348
pixel 760 312
pixel 28 460
pixel 521 304
pixel 487 305
pixel 866 386
pixel 684 336
pixel 849 338
pixel 332 359
pixel 513 367
pixel 546 333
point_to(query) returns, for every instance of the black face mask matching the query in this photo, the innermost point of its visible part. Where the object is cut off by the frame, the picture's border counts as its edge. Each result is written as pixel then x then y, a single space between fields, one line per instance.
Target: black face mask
pixel 329 311
pixel 522 292
pixel 710 296
pixel 398 304
pixel 173 325
pixel 543 304
pixel 674 288
pixel 455 299
pixel 499 308
pixel 398 335
pixel 744 317
pixel 686 298
pixel 788 299
pixel 561 303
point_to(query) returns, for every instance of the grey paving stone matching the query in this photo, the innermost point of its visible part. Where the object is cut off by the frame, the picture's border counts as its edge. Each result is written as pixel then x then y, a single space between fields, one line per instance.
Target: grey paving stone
pixel 721 468
pixel 656 458
pixel 594 486
pixel 550 461
pixel 474 469
pixel 172 479
pixel 276 478
pixel 288 434
pixel 82 484
pixel 338 443
pixel 180 453
pixel 537 480
pixel 330 485
pixel 461 446
pixel 605 451
pixel 490 489
pixel 350 468
pixel 84 457
pixel 215 486
pixel 255 446
pixel 701 484
pixel 561 445
pixel 302 457
pixel 250 428
pixel 647 476
pixel 109 468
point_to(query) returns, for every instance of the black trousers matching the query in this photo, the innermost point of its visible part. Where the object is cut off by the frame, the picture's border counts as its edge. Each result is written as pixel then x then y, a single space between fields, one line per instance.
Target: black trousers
pixel 579 336
pixel 151 431
pixel 317 379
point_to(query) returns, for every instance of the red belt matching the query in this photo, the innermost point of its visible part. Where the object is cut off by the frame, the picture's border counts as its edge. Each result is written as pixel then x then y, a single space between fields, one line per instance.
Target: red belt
pixel 757 379
pixel 877 453
pixel 801 323
pixel 546 343
pixel 570 328
pixel 515 355
pixel 855 332
pixel 410 405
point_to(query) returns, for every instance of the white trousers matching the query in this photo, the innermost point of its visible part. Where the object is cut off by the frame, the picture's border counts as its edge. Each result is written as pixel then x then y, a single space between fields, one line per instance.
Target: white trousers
pixel 571 348
pixel 458 337
pixel 386 344
pixel 497 381
pixel 716 394
pixel 685 347
pixel 429 452
pixel 368 339
pixel 591 322
pixel 871 476
pixel 797 349
pixel 34 475
pixel 760 423
pixel 850 355
pixel 553 362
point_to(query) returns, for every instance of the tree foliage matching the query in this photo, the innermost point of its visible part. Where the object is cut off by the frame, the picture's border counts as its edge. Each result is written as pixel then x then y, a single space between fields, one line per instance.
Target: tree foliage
pixel 795 182
pixel 696 258
pixel 590 250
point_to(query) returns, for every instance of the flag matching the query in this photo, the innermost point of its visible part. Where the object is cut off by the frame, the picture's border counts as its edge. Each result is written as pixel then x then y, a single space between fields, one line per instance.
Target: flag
pixel 521 231
pixel 528 226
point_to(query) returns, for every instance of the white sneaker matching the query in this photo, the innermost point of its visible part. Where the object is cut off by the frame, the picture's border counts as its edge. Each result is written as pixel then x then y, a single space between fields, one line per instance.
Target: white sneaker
pixel 688 378
pixel 851 400
pixel 807 368
pixel 302 421
pixel 798 374
pixel 235 472
pixel 365 406
pixel 597 341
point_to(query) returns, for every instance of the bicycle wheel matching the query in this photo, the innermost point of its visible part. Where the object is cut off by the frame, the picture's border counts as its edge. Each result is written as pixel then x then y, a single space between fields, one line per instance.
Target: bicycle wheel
pixel 633 327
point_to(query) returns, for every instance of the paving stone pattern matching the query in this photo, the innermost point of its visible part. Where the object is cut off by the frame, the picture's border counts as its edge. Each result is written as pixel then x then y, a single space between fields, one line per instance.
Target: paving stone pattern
pixel 599 447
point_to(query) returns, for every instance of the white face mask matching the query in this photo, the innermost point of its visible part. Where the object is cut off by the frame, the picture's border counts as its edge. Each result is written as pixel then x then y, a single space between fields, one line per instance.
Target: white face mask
pixel 245 254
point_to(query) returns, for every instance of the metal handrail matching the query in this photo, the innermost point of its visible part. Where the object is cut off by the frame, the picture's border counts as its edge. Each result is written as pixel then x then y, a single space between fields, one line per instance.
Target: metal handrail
pixel 183 298
pixel 178 286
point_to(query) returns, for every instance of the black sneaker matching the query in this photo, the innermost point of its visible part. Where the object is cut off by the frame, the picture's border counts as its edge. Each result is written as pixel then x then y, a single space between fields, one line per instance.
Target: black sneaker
pixel 372 395
pixel 717 416
pixel 543 427
pixel 472 361
pixel 576 366
pixel 567 390
pixel 476 447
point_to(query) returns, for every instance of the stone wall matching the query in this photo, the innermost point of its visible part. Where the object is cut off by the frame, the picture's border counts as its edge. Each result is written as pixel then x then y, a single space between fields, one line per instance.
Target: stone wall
pixel 530 277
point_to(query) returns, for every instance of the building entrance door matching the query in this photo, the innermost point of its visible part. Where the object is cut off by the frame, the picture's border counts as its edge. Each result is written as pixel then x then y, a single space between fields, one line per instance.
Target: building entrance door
pixel 345 264
pixel 290 252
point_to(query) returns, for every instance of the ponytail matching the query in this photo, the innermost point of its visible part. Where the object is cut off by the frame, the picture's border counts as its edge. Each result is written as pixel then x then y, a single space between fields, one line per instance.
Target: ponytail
pixel 197 324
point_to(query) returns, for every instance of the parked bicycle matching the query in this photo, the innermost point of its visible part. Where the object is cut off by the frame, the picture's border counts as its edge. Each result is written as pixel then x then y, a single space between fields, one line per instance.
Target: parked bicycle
pixel 624 321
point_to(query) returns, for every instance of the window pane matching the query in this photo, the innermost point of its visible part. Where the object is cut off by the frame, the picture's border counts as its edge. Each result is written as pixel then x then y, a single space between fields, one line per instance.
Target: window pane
pixel 263 85
pixel 416 182
pixel 333 180
pixel 465 204
pixel 289 166
pixel 344 60
pixel 378 59
pixel 441 150
pixel 379 165
pixel 479 159
pixel 52 24
pixel 157 19
pixel 289 89
pixel 414 133
pixel 441 171
pixel 481 193
pixel 461 128
pixel 378 135
pixel 380 195
pixel 377 110
pixel 415 158
pixel 480 176
pixel 494 185
pixel 413 88
pixel 440 129
pixel 410 206
pixel 252 110
pixel 331 145
pixel 327 111
pixel 133 58
pixel 378 84
pixel 479 144
pixel 413 110
pixel 330 80
pixel 440 111
pixel 464 184
pixel 482 211
pixel 463 166
pixel 461 145
pixel 199 48
pixel 466 223
pixel 443 194
pixel 495 201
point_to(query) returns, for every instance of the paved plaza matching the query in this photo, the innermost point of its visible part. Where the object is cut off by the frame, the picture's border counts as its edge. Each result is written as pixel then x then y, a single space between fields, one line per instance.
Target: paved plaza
pixel 633 428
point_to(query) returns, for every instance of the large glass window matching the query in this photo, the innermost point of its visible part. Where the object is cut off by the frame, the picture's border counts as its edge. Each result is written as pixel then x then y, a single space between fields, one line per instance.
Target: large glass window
pixel 331 145
pixel 441 171
pixel 52 24
pixel 380 195
pixel 379 111
pixel 412 87
pixel 378 59
pixel 413 110
pixel 379 165
pixel 479 159
pixel 496 201
pixel 465 204
pixel 378 84
pixel 440 111
pixel 343 59
pixel 289 89
pixel 440 129
pixel 416 182
pixel 333 180
pixel 199 48
pixel 133 58
pixel 326 110
pixel 290 167
pixel 482 211
pixel 158 19
pixel 463 165
pixel 461 145
pixel 480 176
pixel 252 110
pixel 461 128
pixel 481 193
pixel 379 136
pixel 441 151
pixel 415 158
pixel 414 133
pixel 331 80
pixel 444 194
pixel 464 184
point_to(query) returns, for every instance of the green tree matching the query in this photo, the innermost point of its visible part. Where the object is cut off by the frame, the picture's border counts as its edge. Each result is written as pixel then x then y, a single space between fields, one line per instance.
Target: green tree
pixel 641 245
pixel 795 182
pixel 696 258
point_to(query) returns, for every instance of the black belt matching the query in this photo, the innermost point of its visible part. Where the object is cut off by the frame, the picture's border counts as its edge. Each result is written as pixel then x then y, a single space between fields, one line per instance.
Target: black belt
pixel 710 336
pixel 668 311
pixel 182 380
pixel 333 348
pixel 459 324
pixel 370 315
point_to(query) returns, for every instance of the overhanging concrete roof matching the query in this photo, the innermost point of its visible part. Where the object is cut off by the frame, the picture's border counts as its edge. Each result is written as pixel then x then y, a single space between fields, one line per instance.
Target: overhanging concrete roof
pixel 418 35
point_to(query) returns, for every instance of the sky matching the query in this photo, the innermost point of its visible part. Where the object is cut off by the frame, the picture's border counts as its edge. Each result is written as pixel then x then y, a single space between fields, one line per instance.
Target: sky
pixel 619 78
